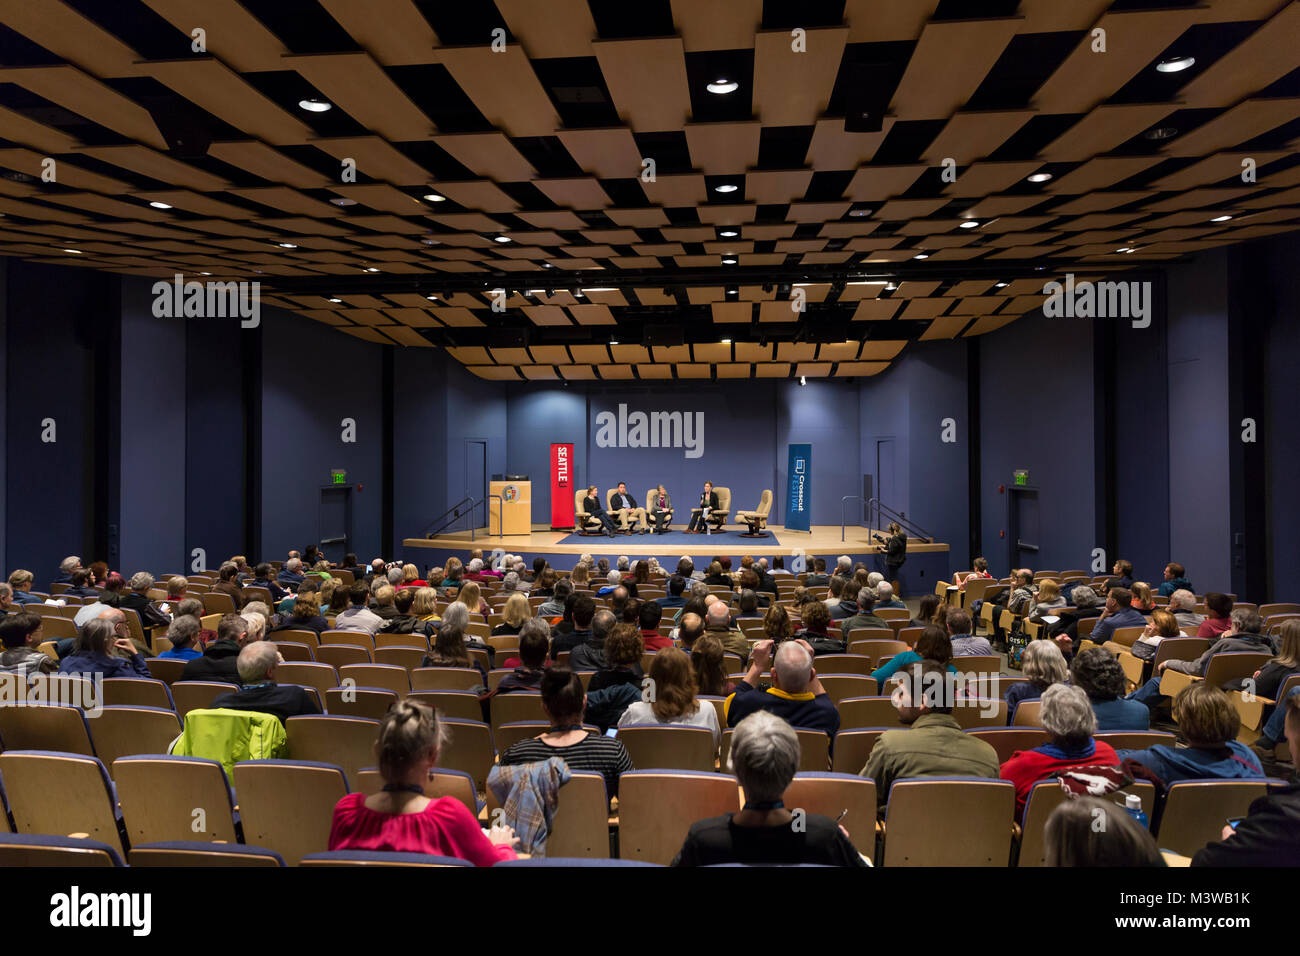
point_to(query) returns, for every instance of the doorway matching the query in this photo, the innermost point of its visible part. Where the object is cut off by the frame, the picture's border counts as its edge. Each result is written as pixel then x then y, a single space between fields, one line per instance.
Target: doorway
pixel 335 522
pixel 1023 527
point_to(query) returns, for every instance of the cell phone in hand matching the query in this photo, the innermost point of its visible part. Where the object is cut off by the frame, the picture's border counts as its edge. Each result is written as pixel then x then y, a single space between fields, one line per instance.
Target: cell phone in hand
pixel 1233 822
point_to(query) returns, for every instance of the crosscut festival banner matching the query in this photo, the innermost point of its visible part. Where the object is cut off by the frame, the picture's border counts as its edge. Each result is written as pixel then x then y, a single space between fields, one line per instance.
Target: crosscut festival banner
pixel 798 503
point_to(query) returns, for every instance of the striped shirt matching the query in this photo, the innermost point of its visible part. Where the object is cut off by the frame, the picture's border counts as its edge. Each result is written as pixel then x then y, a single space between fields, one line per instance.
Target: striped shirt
pixel 604 755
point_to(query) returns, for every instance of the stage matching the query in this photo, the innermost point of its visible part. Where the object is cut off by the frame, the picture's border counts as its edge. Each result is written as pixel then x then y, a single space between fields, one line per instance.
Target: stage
pixel 925 564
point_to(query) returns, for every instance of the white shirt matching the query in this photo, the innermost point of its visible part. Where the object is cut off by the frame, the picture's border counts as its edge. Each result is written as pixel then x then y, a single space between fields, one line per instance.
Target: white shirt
pixel 358 619
pixel 706 715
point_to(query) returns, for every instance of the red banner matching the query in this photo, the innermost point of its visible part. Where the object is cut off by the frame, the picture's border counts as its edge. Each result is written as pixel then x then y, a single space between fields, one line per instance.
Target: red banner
pixel 562 486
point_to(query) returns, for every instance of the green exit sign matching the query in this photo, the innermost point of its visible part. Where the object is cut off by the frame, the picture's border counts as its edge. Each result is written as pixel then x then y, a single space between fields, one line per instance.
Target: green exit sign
pixel 1021 476
pixel 338 477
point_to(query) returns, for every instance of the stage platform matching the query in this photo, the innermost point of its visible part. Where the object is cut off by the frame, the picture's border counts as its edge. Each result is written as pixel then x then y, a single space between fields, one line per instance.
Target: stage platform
pixel 925 564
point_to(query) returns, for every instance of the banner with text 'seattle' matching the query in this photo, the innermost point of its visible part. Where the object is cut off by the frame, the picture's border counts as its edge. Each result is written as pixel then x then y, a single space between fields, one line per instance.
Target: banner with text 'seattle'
pixel 562 485
pixel 798 501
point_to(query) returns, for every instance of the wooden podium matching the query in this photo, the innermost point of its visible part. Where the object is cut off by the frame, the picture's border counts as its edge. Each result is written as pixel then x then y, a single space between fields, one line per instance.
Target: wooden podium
pixel 513 512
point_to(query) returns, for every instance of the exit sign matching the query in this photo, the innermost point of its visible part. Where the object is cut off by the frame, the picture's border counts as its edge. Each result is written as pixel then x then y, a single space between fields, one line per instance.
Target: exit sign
pixel 1021 476
pixel 338 477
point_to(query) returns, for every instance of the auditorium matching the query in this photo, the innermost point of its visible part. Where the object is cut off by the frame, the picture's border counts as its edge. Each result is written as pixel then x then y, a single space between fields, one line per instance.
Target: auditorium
pixel 673 434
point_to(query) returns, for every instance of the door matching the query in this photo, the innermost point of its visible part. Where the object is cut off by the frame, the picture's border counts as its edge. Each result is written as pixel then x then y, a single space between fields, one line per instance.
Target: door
pixel 886 478
pixel 335 522
pixel 476 475
pixel 1024 527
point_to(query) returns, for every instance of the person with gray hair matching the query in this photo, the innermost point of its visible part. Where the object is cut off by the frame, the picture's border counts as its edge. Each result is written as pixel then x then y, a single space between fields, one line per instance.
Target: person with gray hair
pixel 613 580
pixel 257 663
pixel 1243 635
pixel 138 600
pixel 395 577
pixel 103 648
pixel 183 635
pixel 290 575
pixel 1070 722
pixel 67 567
pixel 795 695
pixel 765 757
pixel 623 562
pixel 256 623
pixel 457 616
pixel 1182 605
pixel 590 654
pixel 510 583
pixel 844 566
pixel 885 596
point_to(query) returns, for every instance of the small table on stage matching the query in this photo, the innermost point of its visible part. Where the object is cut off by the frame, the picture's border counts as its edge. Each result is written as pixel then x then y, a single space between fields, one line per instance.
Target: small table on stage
pixel 510 507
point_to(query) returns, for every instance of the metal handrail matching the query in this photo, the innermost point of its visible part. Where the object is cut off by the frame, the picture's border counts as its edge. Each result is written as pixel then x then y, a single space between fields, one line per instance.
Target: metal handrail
pixel 843 520
pixel 907 524
pixel 456 515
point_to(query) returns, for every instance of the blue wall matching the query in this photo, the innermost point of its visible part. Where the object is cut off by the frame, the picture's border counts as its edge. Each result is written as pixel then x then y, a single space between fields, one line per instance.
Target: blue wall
pixel 824 414
pixel 541 415
pixel 1279 425
pixel 311 382
pixel 420 440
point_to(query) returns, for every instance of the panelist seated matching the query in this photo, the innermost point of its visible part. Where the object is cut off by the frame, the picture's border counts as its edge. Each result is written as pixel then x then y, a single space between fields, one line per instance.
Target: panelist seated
pixel 660 505
pixel 624 507
pixel 700 514
pixel 591 505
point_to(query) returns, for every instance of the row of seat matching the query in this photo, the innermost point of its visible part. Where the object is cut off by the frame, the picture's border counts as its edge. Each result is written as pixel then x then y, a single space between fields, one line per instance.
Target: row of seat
pixel 286 807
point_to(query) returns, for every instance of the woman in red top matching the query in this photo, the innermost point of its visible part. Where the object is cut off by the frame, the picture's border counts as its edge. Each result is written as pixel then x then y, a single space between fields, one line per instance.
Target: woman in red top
pixel 400 817
pixel 1068 718
pixel 411 577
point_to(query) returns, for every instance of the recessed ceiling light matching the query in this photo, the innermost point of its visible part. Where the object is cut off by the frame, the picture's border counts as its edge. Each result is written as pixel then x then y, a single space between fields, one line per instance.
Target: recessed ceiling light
pixel 75 252
pixel 803 380
pixel 891 287
pixel 315 106
pixel 159 205
pixel 432 298
pixel 332 299
pixel 859 212
pixel 343 202
pixel 723 85
pixel 601 289
pixel 728 234
pixel 728 262
pixel 371 269
pixel 726 188
pixel 1040 177
pixel 286 245
pixel 501 238
pixel 1175 64
pixel 1000 285
pixel 1221 219
pixel 1161 132
pixel 431 242
pixel 871 282
pixel 1125 249
pixel 921 255
pixel 726 342
pixel 613 341
pixel 435 197
pixel 205 273
pixel 970 224
pixel 732 290
pixel 547 265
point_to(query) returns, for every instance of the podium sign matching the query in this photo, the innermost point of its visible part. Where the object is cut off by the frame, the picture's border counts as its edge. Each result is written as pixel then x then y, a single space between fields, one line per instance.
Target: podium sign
pixel 513 512
pixel 562 485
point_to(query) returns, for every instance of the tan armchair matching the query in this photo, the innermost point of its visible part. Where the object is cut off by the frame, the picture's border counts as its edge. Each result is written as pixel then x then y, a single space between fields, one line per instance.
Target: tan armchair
pixel 584 523
pixel 718 517
pixel 756 519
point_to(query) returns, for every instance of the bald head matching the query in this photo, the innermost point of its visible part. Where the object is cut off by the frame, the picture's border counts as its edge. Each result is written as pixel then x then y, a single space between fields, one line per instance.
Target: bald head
pixel 792 669
pixel 692 626
pixel 113 615
pixel 718 615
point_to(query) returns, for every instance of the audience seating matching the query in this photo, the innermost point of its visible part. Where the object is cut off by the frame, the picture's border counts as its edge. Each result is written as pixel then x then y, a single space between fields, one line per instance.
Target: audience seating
pixel 372 702
pixel 291 651
pixel 830 794
pixel 657 807
pixel 198 802
pixel 949 821
pixel 45 727
pixel 167 670
pixel 1221 668
pixel 136 692
pixel 341 655
pixel 38 849
pixel 461 704
pixel 1008 740
pixel 198 694
pixel 288 805
pixel 468 747
pixel 1028 714
pixel 515 706
pixel 1136 739
pixel 1047 795
pixel 192 853
pixel 671 748
pixel 1195 811
pixel 60 793
pixel 868 712
pixel 389 676
pixel 580 827
pixel 445 678
pixel 348 742
pixel 308 674
pixel 840 687
pixel 379 858
pixel 122 731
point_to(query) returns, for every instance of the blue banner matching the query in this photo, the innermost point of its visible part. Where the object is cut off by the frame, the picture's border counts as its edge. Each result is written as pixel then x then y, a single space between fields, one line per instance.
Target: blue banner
pixel 798 502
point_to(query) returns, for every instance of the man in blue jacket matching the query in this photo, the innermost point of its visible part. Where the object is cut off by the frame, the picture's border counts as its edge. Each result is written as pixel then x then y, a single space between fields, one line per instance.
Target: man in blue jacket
pixel 1119 613
pixel 1175 579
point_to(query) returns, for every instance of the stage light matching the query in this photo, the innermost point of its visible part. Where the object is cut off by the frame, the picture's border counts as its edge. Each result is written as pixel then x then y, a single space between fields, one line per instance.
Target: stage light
pixel 723 85
pixel 315 106
pixel 1175 64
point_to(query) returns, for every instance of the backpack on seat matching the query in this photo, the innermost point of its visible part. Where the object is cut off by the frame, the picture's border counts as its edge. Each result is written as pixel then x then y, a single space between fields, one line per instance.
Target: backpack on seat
pixel 230 736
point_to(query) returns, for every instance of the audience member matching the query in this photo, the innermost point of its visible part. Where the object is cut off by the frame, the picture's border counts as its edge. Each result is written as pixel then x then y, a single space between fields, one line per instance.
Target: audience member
pixel 1175 580
pixel 1088 832
pixel 220 658
pixel 674 699
pixel 796 694
pixel 513 615
pixel 21 635
pixel 534 640
pixel 1219 619
pixel 1182 605
pixel 183 635
pixel 259 691
pixel 590 654
pixel 1209 722
pixel 1097 673
pixel 623 649
pixel 1043 665
pixel 584 608
pixel 358 617
pixel 964 643
pixel 95 652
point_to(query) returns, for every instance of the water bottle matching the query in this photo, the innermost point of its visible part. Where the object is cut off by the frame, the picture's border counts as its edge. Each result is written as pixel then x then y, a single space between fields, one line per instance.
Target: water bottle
pixel 1133 804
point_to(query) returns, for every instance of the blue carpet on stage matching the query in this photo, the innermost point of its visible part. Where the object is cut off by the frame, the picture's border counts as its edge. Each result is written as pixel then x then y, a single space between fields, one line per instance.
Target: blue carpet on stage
pixel 655 543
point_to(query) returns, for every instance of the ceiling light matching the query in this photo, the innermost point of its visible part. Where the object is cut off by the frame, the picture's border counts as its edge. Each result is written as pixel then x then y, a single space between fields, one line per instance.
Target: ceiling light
pixel 371 269
pixel 1221 219
pixel 921 255
pixel 501 238
pixel 601 289
pixel 435 197
pixel 728 262
pixel 159 205
pixel 205 273
pixel 333 299
pixel 315 106
pixel 970 224
pixel 726 188
pixel 859 212
pixel 726 341
pixel 1000 285
pixel 613 341
pixel 547 265
pixel 871 282
pixel 286 245
pixel 723 85
pixel 75 252
pixel 431 242
pixel 344 202
pixel 1161 132
pixel 534 291
pixel 1040 177
pixel 1125 249
pixel 432 298
pixel 803 380
pixel 728 234
pixel 732 290
pixel 891 287
pixel 1175 64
